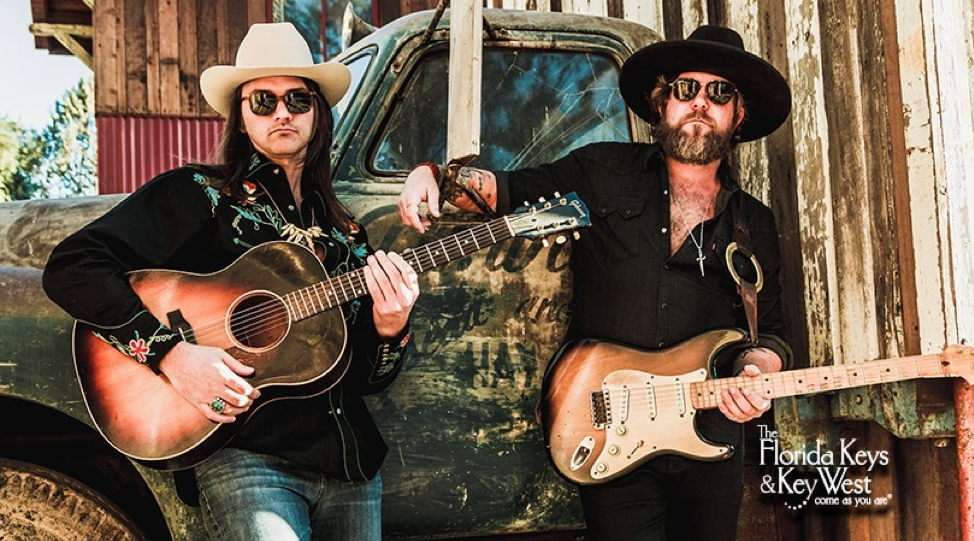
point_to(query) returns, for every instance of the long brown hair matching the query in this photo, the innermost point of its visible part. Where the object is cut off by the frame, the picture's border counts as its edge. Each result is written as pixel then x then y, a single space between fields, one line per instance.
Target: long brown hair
pixel 233 154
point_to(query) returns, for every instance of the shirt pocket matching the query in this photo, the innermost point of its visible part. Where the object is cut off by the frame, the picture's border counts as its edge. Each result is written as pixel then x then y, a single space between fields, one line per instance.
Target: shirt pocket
pixel 618 231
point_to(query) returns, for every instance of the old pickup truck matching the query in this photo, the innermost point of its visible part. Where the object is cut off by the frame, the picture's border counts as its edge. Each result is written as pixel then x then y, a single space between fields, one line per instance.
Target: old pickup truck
pixel 466 454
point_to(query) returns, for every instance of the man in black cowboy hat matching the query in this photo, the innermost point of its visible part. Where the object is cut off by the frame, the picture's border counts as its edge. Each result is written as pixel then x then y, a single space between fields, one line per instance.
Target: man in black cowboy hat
pixel 651 272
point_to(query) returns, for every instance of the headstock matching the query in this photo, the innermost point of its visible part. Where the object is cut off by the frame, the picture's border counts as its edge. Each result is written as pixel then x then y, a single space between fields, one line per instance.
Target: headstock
pixel 958 361
pixel 562 213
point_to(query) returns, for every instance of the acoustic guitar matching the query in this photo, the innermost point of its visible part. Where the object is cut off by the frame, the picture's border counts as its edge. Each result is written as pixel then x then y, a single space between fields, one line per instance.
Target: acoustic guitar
pixel 607 408
pixel 276 309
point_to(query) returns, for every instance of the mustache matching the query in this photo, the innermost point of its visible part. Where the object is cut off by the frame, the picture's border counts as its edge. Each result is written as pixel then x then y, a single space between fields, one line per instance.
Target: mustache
pixel 698 115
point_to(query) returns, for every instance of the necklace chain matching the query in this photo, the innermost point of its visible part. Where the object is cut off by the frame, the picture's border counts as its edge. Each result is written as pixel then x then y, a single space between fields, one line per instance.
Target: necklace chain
pixel 699 245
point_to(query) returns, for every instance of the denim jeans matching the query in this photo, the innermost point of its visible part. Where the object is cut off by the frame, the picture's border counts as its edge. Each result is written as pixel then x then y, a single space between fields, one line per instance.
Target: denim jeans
pixel 255 497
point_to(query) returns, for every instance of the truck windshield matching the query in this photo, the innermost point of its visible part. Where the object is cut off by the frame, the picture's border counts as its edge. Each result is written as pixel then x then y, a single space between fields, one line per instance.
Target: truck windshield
pixel 537 105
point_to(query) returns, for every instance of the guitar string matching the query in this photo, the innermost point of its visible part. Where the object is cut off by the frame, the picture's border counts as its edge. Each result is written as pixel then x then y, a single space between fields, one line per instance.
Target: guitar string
pixel 478 233
pixel 259 314
pixel 668 391
pixel 255 319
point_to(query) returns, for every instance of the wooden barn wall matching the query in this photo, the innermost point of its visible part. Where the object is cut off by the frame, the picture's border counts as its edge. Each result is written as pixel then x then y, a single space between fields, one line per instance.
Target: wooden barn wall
pixel 870 183
pixel 155 69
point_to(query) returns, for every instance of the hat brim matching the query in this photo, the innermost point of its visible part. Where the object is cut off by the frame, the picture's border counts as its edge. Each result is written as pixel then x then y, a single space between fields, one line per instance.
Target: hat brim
pixel 219 83
pixel 765 90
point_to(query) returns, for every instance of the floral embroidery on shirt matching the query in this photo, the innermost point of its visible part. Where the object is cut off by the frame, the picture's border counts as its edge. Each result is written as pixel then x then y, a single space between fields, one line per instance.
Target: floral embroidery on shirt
pixel 211 193
pixel 138 348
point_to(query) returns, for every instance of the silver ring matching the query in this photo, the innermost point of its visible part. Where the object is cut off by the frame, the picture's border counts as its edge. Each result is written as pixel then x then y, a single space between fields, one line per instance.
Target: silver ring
pixel 218 405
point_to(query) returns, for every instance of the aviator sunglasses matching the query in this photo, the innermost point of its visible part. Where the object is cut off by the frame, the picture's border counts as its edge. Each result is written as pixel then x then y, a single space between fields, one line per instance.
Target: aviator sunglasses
pixel 263 102
pixel 719 92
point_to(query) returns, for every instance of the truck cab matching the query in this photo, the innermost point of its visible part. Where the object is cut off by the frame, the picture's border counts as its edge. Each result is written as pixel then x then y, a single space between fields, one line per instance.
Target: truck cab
pixel 466 452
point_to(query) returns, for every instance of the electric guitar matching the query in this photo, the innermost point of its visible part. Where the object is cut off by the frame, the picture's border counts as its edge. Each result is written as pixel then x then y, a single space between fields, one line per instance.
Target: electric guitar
pixel 276 309
pixel 607 408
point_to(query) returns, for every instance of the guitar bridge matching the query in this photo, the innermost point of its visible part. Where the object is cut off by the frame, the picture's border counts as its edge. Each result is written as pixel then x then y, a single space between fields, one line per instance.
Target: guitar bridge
pixel 601 409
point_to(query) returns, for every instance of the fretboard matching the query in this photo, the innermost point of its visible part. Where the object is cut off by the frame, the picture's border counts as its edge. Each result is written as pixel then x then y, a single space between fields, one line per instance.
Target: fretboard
pixel 308 301
pixel 706 394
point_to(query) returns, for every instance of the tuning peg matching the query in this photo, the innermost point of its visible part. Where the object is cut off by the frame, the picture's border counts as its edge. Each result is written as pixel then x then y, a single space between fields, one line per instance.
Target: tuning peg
pixel 526 204
pixel 575 235
pixel 544 242
pixel 561 239
pixel 557 195
pixel 541 200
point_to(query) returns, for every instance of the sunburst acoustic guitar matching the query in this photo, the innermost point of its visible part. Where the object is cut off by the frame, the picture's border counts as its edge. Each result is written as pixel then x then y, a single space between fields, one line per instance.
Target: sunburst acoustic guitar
pixel 276 309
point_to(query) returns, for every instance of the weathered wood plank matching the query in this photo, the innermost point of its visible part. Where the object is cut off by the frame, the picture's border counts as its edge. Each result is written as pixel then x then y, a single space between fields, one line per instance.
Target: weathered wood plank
pixel 189 67
pixel 104 20
pixel 256 11
pixel 647 12
pixel 153 74
pixel 814 187
pixel 133 46
pixel 206 33
pixel 169 49
pixel 466 71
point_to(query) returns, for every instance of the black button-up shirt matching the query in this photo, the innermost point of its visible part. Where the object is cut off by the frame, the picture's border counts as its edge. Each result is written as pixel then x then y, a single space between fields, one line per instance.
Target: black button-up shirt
pixel 180 221
pixel 627 287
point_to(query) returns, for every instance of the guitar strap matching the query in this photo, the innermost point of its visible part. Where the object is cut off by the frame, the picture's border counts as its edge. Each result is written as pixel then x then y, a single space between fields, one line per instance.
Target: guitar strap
pixel 747 289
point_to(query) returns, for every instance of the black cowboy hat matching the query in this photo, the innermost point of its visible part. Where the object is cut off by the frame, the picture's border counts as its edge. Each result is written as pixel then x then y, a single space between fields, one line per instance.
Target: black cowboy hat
pixel 716 50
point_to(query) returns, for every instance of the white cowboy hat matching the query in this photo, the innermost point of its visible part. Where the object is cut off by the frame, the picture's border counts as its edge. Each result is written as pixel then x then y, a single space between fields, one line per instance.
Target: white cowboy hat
pixel 268 50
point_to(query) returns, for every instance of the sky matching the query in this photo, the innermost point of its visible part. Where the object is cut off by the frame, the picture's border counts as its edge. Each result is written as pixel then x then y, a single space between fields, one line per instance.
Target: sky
pixel 31 80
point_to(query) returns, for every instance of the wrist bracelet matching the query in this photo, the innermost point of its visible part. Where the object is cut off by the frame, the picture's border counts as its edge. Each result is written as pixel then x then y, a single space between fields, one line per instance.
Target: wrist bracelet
pixel 435 169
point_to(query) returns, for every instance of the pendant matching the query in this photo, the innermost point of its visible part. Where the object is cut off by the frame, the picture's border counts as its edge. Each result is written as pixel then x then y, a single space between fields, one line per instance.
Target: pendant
pixel 295 234
pixel 700 258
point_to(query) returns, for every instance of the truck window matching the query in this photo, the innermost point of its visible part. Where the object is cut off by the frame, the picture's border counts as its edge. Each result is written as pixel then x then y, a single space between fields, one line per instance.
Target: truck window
pixel 537 105
pixel 358 65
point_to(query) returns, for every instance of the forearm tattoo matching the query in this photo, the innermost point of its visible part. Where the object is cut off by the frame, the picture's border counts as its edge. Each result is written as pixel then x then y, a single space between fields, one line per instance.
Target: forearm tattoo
pixel 473 190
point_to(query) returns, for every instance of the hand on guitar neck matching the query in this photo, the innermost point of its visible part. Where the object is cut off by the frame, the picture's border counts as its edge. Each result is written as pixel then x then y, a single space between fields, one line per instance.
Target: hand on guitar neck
pixel 743 405
pixel 201 374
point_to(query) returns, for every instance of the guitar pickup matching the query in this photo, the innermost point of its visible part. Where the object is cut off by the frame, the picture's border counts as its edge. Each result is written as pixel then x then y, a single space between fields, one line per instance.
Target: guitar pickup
pixel 601 409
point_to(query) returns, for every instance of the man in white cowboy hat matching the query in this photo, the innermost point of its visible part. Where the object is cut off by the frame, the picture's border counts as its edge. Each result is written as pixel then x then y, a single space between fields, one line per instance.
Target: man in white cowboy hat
pixel 298 469
pixel 651 272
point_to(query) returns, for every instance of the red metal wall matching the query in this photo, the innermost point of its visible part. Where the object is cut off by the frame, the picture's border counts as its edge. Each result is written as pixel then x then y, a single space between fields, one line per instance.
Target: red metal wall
pixel 133 149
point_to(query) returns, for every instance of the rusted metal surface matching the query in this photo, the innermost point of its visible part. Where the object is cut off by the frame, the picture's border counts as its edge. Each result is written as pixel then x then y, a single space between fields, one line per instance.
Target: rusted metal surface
pixel 29 230
pixel 134 149
pixel 964 393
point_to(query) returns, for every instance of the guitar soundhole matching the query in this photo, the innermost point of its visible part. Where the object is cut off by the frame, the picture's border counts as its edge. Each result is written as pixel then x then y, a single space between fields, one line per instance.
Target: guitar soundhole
pixel 259 321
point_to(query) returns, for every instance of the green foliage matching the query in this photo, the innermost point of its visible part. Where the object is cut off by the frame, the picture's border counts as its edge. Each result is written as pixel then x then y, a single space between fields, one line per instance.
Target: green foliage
pixel 57 161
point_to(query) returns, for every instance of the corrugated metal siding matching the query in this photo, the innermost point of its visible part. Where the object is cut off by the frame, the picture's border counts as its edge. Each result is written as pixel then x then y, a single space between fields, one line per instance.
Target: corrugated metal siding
pixel 133 149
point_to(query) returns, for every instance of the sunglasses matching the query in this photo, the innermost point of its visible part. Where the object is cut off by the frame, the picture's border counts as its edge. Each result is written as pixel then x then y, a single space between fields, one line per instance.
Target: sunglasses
pixel 264 103
pixel 719 92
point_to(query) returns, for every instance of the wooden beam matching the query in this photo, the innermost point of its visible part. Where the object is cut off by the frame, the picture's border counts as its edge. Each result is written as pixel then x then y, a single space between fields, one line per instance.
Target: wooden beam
pixel 65 34
pixel 52 29
pixel 463 103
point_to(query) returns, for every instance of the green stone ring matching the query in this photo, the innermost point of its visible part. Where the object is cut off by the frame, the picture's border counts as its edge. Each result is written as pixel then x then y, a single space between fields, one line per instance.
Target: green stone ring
pixel 218 405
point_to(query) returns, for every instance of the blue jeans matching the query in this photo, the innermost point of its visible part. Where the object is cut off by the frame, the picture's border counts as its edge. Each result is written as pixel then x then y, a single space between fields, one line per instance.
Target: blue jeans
pixel 248 496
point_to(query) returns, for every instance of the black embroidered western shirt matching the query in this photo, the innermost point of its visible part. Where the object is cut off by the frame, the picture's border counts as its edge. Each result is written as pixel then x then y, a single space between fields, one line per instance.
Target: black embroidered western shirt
pixel 627 287
pixel 180 221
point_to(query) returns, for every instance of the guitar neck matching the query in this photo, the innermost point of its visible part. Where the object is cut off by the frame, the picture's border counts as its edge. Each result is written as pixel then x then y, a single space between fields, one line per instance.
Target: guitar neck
pixel 311 300
pixel 706 394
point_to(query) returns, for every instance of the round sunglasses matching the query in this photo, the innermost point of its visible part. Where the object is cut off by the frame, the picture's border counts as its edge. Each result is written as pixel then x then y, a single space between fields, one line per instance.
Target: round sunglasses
pixel 264 103
pixel 719 92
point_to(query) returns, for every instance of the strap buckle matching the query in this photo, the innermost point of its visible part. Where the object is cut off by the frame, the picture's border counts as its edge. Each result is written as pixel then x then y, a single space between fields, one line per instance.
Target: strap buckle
pixel 728 257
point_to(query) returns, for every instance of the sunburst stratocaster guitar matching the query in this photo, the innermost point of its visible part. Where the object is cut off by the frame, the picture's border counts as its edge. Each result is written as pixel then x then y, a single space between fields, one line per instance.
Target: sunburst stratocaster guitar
pixel 606 408
pixel 276 309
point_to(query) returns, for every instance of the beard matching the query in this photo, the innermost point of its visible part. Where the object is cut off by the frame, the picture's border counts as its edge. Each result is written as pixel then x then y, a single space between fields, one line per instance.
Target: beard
pixel 694 148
